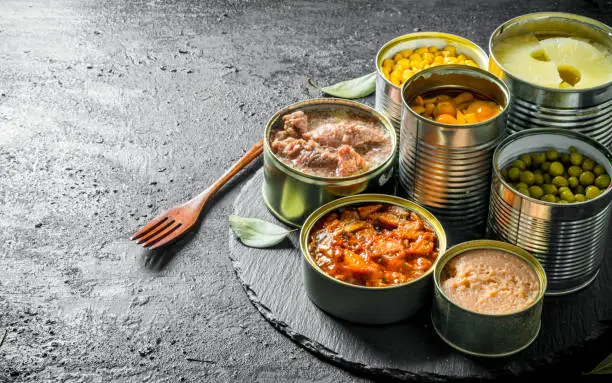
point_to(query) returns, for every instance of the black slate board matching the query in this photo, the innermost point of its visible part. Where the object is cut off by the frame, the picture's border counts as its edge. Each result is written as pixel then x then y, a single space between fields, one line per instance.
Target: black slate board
pixel 575 333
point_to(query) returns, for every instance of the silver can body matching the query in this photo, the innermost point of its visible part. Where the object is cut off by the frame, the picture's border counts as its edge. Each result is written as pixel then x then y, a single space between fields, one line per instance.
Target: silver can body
pixel 292 195
pixel 389 95
pixel 568 239
pixel 447 168
pixel 587 111
pixel 484 334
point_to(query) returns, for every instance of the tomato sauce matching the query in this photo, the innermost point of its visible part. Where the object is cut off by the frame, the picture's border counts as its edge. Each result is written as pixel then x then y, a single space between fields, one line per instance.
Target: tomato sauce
pixel 373 245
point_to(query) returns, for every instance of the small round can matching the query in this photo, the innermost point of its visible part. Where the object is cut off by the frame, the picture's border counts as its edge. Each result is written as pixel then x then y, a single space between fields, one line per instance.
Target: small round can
pixel 361 304
pixel 568 239
pixel 447 168
pixel 587 111
pixel 291 195
pixel 488 335
pixel 389 95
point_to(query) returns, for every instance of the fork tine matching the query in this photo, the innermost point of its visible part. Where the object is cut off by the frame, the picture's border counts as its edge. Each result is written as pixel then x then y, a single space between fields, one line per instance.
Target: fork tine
pixel 149 226
pixel 163 237
pixel 156 231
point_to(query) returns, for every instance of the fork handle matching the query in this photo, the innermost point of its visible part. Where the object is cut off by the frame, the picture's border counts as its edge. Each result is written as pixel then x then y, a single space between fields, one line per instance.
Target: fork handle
pixel 200 200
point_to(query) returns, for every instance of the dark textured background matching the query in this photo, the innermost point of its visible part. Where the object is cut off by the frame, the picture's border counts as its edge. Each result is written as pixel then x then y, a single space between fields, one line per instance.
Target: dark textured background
pixel 112 111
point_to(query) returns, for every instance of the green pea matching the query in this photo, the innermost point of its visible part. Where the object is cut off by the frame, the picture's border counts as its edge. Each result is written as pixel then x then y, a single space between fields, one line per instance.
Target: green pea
pixel 560 181
pixel 522 185
pixel 524 191
pixel 565 158
pixel 599 170
pixel 519 164
pixel 527 177
pixel 579 197
pixel 548 198
pixel 552 155
pixel 556 169
pixel 526 158
pixel 573 149
pixel 549 189
pixel 602 181
pixel 504 174
pixel 546 166
pixel 573 182
pixel 567 195
pixel 562 201
pixel 576 158
pixel 563 188
pixel 547 178
pixel 514 174
pixel 588 164
pixel 537 159
pixel 587 178
pixel 592 192
pixel 536 191
pixel 574 171
pixel 579 189
pixel 539 178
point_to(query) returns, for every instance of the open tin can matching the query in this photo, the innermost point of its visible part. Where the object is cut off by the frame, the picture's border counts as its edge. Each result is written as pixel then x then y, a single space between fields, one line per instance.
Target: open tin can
pixel 587 111
pixel 447 168
pixel 291 195
pixel 568 239
pixel 389 95
pixel 488 335
pixel 361 304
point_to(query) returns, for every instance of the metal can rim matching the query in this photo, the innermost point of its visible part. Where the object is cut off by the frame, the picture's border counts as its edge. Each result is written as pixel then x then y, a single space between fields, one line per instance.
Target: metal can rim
pixel 425 214
pixel 417 35
pixel 535 15
pixel 497 245
pixel 450 67
pixel 555 131
pixel 305 177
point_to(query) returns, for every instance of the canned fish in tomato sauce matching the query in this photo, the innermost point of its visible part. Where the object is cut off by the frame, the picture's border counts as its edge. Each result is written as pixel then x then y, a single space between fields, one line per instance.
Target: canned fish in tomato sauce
pixel 291 191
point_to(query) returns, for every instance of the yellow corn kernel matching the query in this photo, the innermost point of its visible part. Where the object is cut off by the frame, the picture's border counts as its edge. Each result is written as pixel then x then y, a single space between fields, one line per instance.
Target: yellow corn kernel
pixel 428 57
pixel 429 108
pixel 461 57
pixel 447 54
pixel 439 60
pixel 403 63
pixel 396 76
pixel 451 49
pixel 470 63
pixel 406 75
pixel 433 49
pixel 407 53
pixel 388 62
pixel 418 109
pixel 440 53
pixel 417 64
pixel 422 50
pixel 450 60
pixel 398 56
pixel 416 57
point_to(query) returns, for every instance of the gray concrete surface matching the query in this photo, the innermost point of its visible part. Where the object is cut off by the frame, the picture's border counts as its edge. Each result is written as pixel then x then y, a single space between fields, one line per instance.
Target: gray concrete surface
pixel 112 111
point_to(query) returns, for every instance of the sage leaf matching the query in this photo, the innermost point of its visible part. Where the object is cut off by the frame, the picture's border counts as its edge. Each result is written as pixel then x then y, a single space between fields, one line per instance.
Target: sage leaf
pixel 605 367
pixel 355 88
pixel 258 233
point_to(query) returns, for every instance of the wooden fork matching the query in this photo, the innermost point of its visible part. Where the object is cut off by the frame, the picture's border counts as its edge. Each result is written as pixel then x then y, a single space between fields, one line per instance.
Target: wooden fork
pixel 175 222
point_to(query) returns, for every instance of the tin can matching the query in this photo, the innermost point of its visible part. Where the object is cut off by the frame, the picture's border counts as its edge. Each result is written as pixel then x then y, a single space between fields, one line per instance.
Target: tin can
pixel 360 304
pixel 486 334
pixel 447 168
pixel 587 111
pixel 389 95
pixel 568 239
pixel 292 195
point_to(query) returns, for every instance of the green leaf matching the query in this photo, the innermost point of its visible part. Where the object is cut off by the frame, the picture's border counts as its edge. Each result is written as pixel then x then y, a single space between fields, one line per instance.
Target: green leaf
pixel 605 367
pixel 255 232
pixel 356 88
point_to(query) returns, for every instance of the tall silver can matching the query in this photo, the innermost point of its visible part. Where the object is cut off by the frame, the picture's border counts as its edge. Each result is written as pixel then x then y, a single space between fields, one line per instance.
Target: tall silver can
pixel 587 110
pixel 389 95
pixel 568 239
pixel 447 168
